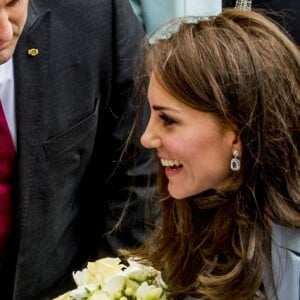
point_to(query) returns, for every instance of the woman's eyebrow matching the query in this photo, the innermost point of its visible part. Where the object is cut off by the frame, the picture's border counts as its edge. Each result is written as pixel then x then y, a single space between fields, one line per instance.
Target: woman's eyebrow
pixel 161 108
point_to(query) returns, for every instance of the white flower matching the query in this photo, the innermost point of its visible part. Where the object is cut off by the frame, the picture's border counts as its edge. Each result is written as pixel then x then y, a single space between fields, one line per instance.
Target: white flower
pixel 99 295
pixel 149 292
pixel 82 292
pixel 109 279
pixel 81 277
pixel 114 285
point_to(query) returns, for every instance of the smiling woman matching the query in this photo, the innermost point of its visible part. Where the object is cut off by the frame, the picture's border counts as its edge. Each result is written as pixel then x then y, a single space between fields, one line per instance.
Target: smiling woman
pixel 172 127
pixel 224 97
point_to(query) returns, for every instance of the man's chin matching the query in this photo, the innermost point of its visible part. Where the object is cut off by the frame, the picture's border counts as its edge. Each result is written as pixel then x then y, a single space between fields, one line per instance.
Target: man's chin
pixel 6 54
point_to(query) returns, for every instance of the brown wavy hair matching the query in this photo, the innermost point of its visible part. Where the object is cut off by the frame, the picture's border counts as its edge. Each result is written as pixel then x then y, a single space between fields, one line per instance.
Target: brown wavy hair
pixel 243 68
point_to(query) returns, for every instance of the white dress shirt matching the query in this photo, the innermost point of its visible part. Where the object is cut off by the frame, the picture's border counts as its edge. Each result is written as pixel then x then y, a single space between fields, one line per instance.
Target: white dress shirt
pixel 7 97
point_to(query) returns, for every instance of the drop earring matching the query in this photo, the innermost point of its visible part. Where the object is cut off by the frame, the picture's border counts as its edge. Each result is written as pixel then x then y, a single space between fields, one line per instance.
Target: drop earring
pixel 235 163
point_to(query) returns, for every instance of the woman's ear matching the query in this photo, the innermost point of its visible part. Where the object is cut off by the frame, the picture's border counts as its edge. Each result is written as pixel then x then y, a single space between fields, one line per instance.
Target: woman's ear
pixel 236 140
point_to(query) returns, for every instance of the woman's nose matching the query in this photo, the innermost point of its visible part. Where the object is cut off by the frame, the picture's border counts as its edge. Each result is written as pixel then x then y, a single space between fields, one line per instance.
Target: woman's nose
pixel 150 139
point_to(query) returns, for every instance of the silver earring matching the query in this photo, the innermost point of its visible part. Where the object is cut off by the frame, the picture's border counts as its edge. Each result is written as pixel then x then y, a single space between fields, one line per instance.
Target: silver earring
pixel 235 163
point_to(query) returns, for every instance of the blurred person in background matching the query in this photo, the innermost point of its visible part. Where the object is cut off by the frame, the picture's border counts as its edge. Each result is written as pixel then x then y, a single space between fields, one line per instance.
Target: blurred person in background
pixel 155 13
pixel 286 13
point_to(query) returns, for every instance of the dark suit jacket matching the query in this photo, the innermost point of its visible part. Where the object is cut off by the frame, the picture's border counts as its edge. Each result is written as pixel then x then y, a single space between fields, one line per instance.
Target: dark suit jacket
pixel 73 116
pixel 287 13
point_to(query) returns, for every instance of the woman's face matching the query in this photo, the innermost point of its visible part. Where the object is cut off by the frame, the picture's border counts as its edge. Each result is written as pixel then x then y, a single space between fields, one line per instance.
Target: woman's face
pixel 193 147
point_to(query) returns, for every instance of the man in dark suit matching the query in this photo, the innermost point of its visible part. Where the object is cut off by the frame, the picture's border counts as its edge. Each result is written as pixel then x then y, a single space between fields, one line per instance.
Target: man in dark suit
pixel 286 13
pixel 72 74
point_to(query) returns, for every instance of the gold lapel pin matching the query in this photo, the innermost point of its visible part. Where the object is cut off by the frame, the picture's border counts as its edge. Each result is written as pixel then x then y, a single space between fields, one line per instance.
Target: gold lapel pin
pixel 33 52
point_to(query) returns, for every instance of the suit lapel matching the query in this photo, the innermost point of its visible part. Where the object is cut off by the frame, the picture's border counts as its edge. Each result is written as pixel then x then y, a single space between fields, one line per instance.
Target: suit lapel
pixel 30 70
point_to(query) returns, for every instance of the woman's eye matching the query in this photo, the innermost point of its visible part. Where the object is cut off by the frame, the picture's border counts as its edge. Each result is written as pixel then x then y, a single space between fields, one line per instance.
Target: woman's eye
pixel 167 120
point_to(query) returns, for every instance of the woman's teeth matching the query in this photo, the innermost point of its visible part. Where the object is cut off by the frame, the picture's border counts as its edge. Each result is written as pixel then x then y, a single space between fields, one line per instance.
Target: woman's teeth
pixel 170 163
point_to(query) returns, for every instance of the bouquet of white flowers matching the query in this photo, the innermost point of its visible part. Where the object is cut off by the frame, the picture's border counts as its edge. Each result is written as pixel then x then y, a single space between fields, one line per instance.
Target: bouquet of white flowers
pixel 109 279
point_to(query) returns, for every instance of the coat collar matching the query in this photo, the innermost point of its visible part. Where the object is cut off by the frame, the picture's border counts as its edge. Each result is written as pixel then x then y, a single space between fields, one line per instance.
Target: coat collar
pixel 30 73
